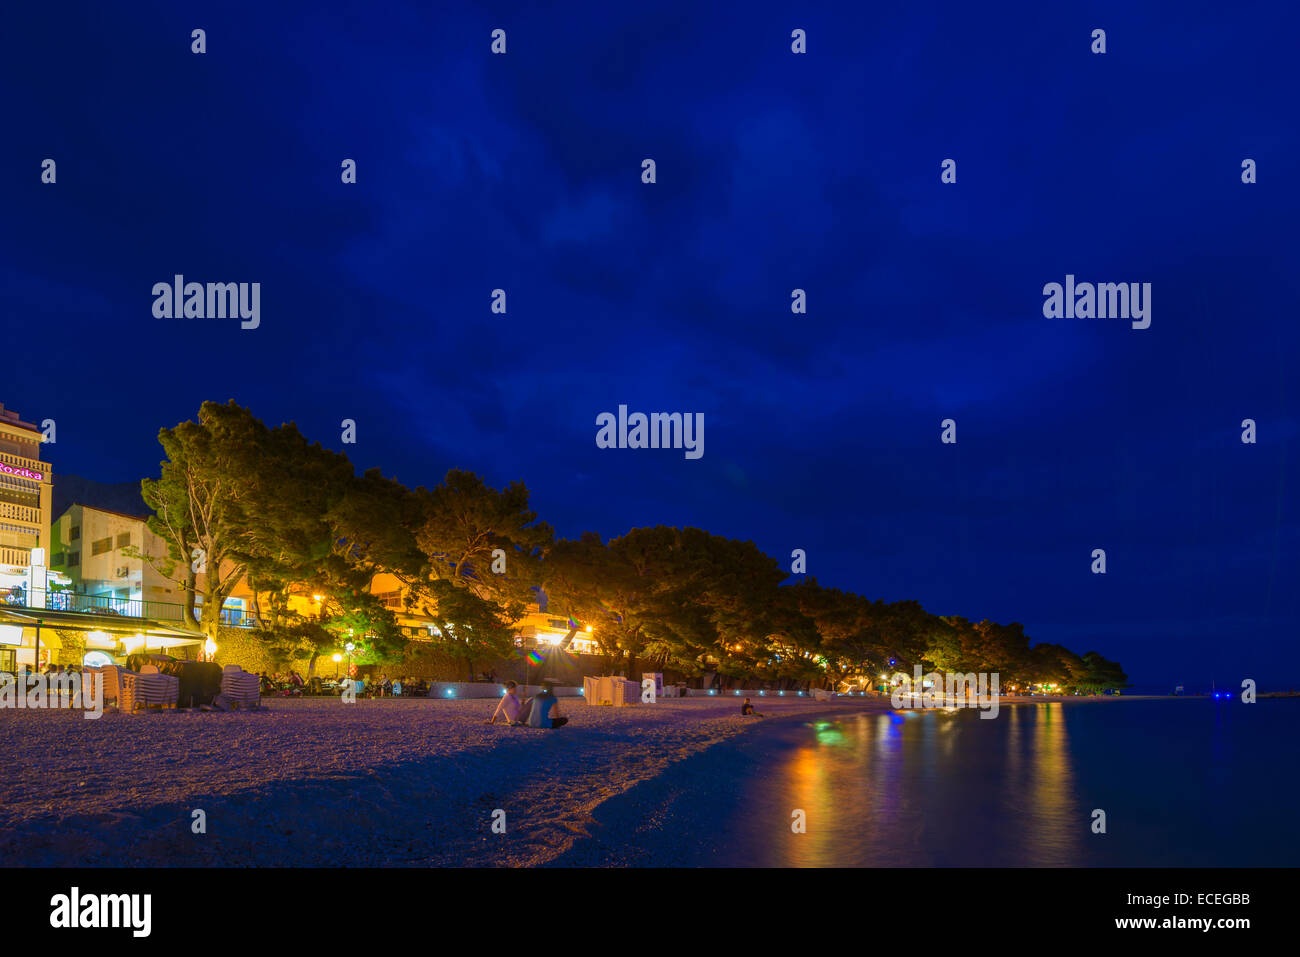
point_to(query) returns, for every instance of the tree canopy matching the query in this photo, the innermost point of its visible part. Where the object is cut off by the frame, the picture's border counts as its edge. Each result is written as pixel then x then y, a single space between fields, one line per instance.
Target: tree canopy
pixel 235 499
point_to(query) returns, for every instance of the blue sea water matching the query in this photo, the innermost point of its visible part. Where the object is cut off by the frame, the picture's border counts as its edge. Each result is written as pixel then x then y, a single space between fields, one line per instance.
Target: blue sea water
pixel 1182 782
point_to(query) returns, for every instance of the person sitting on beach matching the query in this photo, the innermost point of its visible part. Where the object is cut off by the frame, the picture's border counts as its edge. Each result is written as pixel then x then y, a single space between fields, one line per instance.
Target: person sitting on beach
pixel 545 709
pixel 748 709
pixel 508 706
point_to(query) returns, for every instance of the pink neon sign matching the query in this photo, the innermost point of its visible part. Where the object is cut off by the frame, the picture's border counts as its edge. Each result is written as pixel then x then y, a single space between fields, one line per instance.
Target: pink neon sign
pixel 21 473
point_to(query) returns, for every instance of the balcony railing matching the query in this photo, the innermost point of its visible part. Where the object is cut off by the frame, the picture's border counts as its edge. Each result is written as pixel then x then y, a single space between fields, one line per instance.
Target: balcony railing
pixel 20 513
pixel 237 618
pixel 98 605
pixel 22 557
pixel 124 607
pixel 22 462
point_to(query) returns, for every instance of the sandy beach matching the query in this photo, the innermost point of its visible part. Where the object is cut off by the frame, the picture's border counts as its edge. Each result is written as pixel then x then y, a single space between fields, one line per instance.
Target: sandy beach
pixel 314 782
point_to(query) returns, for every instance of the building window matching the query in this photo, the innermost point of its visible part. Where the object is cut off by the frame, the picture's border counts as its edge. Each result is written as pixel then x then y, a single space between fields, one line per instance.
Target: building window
pixel 123 539
pixel 75 533
pixel 56 560
pixel 101 546
pixel 74 558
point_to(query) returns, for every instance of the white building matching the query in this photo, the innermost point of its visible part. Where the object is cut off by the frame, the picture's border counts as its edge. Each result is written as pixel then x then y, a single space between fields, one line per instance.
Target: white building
pixel 93 547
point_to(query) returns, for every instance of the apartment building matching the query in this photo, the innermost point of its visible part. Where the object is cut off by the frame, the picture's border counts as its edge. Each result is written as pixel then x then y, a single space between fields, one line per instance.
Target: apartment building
pixel 97 548
pixel 26 490
pixel 105 555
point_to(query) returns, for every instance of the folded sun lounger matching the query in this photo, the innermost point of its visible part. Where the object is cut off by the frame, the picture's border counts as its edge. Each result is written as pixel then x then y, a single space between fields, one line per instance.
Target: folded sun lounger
pixel 241 687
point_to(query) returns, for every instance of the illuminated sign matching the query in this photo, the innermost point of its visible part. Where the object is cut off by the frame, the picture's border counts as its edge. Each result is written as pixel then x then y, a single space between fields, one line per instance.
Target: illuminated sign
pixel 21 473
pixel 11 635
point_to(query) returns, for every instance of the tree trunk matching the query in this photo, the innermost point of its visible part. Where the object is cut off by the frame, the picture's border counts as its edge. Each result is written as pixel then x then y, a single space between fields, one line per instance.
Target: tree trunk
pixel 191 581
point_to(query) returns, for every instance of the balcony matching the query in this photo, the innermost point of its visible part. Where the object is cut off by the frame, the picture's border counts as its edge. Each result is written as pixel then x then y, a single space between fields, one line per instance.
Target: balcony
pixel 20 513
pixel 100 605
pixel 125 607
pixel 238 618
pixel 21 557
pixel 22 462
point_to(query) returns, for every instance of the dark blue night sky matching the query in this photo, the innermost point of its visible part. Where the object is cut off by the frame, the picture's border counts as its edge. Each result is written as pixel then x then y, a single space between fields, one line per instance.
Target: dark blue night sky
pixel 775 172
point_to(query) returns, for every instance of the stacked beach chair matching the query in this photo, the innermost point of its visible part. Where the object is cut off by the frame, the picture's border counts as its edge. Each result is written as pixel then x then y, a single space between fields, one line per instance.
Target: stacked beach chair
pixel 154 689
pixel 241 687
pixel 112 683
pixel 145 688
pixel 614 691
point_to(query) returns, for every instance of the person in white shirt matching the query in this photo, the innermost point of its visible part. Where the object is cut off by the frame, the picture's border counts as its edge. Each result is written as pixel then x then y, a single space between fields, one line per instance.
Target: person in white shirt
pixel 508 706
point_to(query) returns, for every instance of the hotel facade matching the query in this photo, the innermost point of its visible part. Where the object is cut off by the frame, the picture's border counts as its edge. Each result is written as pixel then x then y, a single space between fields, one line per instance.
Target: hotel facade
pixel 26 498
pixel 26 492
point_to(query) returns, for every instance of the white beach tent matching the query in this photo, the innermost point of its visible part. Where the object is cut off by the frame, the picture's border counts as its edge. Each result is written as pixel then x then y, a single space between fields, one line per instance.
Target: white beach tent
pixel 612 690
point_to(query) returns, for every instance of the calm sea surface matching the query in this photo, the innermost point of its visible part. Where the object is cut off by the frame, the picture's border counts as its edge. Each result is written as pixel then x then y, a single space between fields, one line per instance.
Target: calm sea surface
pixel 1183 782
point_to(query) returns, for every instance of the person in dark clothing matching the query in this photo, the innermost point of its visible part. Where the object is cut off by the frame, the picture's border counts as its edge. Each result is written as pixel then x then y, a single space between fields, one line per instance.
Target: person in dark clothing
pixel 545 709
pixel 748 709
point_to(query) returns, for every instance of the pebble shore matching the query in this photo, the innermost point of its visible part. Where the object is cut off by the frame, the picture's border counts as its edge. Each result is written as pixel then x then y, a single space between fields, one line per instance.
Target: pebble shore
pixel 315 782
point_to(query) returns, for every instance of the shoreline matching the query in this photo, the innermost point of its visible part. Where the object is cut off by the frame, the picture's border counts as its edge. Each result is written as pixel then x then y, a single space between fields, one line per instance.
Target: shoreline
pixel 390 782
pixel 702 800
pixel 313 782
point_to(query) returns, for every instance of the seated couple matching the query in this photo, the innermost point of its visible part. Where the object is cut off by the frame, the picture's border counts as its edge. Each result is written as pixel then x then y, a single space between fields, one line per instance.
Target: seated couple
pixel 542 710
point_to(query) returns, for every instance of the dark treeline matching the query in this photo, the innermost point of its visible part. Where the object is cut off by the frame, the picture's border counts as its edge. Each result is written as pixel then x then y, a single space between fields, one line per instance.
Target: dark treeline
pixel 235 499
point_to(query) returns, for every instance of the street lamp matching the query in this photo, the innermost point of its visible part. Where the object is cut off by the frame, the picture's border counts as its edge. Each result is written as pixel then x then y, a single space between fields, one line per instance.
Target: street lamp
pixel 337 659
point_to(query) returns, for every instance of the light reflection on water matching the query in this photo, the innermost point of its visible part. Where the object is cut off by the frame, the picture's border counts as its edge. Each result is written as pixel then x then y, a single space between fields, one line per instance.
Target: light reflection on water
pixel 879 788
pixel 936 788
